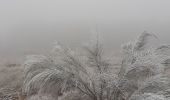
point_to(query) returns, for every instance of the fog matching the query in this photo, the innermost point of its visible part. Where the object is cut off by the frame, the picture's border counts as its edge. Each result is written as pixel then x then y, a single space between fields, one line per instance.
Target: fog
pixel 31 26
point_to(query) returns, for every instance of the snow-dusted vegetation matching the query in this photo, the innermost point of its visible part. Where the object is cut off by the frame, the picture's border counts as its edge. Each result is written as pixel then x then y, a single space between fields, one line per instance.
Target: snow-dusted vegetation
pixel 87 74
pixel 11 78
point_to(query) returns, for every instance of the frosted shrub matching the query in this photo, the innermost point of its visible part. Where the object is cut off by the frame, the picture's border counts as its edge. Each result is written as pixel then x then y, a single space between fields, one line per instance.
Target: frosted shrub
pixel 89 72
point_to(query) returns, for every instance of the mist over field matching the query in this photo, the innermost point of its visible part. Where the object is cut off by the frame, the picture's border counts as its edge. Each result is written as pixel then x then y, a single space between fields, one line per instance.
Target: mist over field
pixel 32 26
pixel 48 50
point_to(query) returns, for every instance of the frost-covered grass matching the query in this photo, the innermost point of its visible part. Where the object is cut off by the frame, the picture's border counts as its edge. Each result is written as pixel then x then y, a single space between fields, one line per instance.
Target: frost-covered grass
pixel 11 78
pixel 141 73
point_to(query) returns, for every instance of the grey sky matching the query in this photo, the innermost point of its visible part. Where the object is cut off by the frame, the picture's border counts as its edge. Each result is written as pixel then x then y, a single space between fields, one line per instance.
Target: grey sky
pixel 31 25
